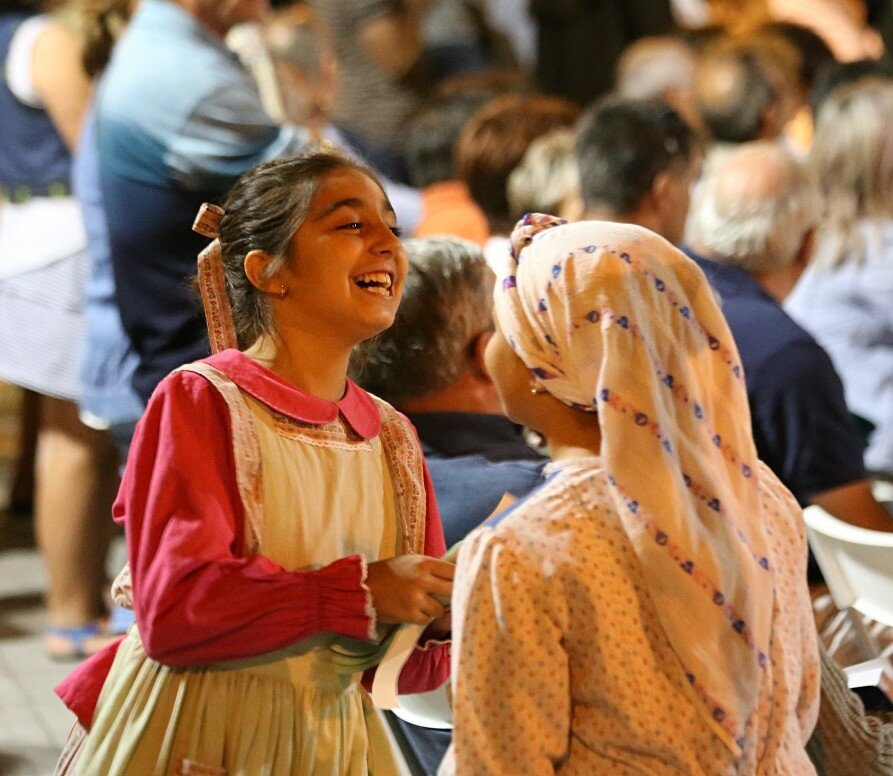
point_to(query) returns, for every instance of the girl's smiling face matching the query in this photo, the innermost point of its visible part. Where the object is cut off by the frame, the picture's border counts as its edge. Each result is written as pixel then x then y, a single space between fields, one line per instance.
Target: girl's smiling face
pixel 345 265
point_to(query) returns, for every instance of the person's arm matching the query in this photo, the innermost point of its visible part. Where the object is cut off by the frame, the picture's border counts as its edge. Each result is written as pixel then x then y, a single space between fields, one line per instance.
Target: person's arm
pixel 60 81
pixel 854 503
pixel 511 686
pixel 850 740
pixel 197 601
pixel 228 133
pixel 802 426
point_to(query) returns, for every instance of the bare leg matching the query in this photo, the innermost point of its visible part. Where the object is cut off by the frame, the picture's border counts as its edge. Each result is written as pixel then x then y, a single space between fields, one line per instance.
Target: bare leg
pixel 72 510
pixel 22 491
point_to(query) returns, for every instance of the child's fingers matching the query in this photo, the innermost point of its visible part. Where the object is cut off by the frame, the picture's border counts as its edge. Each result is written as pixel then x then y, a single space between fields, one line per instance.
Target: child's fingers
pixel 442 569
pixel 441 587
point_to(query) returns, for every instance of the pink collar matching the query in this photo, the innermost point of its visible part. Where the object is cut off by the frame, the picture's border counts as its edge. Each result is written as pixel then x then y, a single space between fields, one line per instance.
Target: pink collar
pixel 356 405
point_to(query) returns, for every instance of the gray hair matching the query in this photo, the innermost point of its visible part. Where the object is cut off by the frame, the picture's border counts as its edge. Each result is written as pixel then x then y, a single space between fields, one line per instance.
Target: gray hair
pixel 546 177
pixel 447 302
pixel 653 66
pixel 754 207
pixel 852 155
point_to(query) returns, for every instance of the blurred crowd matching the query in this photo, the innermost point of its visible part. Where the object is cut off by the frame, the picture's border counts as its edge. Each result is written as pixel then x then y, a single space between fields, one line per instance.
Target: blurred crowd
pixel 755 135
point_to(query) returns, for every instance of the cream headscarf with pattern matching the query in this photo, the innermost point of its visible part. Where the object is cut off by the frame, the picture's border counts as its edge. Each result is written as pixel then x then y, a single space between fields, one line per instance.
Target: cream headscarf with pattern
pixel 611 318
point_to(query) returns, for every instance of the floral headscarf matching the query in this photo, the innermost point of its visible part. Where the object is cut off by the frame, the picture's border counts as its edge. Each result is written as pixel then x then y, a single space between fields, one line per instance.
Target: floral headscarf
pixel 611 318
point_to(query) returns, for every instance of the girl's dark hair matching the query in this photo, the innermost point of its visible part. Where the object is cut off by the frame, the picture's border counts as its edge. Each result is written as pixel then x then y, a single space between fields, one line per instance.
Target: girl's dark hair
pixel 264 210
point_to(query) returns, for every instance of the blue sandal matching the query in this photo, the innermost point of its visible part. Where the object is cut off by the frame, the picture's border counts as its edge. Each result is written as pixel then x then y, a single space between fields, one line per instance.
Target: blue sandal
pixel 76 640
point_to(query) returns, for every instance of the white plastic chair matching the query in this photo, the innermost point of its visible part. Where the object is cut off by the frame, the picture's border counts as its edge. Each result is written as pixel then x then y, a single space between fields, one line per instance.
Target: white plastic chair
pixel 858 568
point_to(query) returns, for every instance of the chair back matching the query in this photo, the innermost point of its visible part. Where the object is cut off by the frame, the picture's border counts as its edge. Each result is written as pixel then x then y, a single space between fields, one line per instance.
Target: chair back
pixel 857 564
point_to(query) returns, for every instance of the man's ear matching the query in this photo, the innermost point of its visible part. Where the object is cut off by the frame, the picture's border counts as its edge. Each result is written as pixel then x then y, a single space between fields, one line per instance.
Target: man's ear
pixel 806 249
pixel 658 198
pixel 477 364
pixel 256 264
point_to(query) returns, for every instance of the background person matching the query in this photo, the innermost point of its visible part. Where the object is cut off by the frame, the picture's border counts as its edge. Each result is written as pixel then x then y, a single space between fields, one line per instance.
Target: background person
pixel 844 297
pixel 573 611
pixel 637 161
pixel 753 223
pixel 43 99
pixel 430 365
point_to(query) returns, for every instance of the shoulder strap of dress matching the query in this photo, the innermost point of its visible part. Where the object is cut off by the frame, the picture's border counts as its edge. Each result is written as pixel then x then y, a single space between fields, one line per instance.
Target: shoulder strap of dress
pixel 404 460
pixel 246 450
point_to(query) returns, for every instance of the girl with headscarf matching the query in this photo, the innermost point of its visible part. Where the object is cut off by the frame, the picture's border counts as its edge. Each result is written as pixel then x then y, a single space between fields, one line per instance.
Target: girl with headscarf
pixel 645 610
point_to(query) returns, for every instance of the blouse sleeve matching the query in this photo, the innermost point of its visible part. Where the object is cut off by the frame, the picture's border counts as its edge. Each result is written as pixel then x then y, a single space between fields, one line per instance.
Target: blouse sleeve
pixel 196 600
pixel 511 689
pixel 428 666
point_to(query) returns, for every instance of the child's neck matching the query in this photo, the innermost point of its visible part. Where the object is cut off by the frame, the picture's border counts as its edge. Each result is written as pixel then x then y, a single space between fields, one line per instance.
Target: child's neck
pixel 312 367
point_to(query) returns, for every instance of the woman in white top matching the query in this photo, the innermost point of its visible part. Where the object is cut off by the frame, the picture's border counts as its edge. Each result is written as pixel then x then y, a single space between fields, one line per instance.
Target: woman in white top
pixel 43 266
pixel 845 299
pixel 646 610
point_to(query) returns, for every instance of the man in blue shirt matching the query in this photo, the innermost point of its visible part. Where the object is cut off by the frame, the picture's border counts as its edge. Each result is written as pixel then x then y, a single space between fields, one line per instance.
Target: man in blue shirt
pixel 751 230
pixel 178 120
pixel 429 364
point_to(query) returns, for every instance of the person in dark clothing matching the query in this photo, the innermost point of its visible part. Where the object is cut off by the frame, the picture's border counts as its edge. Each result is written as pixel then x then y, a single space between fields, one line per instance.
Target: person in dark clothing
pixel 580 41
pixel 429 364
pixel 751 231
pixel 170 137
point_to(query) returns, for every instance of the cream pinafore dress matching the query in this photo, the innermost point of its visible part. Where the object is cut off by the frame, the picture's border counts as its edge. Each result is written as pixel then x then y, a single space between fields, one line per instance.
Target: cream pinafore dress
pixel 312 494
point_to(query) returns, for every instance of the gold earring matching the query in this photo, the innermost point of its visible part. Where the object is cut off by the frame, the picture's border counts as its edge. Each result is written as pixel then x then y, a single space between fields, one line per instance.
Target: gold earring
pixel 536 389
pixel 282 292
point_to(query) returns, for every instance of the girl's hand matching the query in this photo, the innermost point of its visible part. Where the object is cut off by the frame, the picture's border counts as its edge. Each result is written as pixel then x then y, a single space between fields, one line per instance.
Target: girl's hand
pixel 403 588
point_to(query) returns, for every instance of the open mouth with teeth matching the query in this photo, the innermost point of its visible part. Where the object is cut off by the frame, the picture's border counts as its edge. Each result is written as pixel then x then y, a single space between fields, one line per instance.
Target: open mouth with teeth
pixel 379 283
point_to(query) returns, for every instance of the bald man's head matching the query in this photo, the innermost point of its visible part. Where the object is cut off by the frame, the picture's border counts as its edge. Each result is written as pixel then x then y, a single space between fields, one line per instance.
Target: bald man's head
pixel 754 208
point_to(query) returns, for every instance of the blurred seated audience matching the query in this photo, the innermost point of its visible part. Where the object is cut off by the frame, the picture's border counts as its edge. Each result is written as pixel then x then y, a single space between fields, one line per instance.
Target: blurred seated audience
pixel 580 41
pixel 739 95
pixel 44 96
pixel 660 67
pixel 547 179
pixel 491 145
pixel 304 85
pixel 513 27
pixel 637 161
pixel 845 299
pixel 430 365
pixel 841 74
pixel 384 73
pixel 841 24
pixel 812 58
pixel 447 206
pixel 451 34
pixel 753 222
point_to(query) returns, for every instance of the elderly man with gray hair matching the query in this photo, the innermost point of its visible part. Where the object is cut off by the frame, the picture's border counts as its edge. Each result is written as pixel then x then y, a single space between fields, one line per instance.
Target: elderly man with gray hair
pixel 751 230
pixel 430 365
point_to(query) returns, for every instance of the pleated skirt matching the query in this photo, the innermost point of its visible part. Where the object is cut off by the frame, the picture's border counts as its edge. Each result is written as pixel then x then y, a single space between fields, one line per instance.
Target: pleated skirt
pixel 246 719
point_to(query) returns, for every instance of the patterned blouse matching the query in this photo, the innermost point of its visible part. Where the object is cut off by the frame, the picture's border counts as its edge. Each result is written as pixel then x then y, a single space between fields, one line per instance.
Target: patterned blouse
pixel 562 666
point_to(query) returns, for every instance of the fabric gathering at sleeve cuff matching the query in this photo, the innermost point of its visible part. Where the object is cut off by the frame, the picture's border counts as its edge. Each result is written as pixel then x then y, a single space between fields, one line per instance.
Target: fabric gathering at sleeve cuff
pixel 345 602
pixel 428 644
